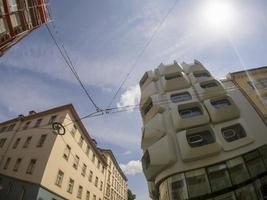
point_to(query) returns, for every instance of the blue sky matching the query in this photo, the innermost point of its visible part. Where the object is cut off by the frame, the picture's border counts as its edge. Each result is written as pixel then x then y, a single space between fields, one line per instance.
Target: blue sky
pixel 104 39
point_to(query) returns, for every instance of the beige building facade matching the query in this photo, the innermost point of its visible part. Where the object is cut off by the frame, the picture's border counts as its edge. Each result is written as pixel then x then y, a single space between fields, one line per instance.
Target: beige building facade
pixel 37 163
pixel 115 181
pixel 201 137
pixel 253 84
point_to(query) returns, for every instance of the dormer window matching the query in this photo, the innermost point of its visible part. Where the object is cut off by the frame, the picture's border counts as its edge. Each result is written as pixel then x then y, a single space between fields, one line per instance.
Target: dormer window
pixel 185 96
pixel 201 74
pixel 208 85
pixel 233 133
pixel 190 112
pixel 221 103
pixel 172 76
pixel 200 138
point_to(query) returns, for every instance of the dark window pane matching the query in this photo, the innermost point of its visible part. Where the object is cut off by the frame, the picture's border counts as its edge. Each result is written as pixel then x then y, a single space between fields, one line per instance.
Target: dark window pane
pixel 233 133
pixel 172 76
pixel 246 193
pixel 220 103
pixel 197 183
pixel 190 112
pixel 185 96
pixel 208 85
pixel 219 177
pixel 200 139
pixel 201 74
pixel 254 163
pixel 147 107
pixel 237 170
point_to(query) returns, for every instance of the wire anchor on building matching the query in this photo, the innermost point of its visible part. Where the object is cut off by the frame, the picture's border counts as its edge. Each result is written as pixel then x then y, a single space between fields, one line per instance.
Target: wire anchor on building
pixel 58 128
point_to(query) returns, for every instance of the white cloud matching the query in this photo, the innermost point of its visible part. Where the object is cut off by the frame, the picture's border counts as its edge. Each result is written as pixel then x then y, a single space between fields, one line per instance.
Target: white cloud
pixel 128 152
pixel 132 168
pixel 130 97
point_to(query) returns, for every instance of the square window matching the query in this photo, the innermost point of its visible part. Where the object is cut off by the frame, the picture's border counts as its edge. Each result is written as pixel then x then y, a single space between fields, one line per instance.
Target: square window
pixel 197 182
pixel 219 177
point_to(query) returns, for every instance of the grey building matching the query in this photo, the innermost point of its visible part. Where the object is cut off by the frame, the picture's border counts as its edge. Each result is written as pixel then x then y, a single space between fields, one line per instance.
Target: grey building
pixel 201 138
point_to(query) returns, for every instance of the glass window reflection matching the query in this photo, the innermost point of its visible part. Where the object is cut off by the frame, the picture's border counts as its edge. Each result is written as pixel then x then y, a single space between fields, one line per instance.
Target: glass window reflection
pixel 237 170
pixel 197 182
pixel 178 185
pixel 254 163
pixel 163 188
pixel 246 193
pixel 219 177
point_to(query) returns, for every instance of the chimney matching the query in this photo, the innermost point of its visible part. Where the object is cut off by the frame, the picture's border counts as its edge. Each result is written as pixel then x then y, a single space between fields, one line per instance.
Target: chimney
pixel 32 112
pixel 94 141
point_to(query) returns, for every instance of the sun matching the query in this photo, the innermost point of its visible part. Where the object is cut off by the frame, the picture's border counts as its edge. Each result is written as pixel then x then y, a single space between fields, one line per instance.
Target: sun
pixel 217 14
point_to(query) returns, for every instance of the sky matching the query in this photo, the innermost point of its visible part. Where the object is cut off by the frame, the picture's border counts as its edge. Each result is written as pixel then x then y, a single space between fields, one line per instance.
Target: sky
pixel 104 39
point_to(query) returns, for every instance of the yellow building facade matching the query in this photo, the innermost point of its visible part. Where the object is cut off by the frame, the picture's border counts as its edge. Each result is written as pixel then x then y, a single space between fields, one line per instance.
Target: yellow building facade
pixel 116 182
pixel 253 84
pixel 37 163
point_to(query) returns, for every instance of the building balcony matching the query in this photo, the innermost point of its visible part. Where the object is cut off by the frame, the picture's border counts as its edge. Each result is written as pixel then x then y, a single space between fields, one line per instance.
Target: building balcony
pixel 233 134
pixel 174 81
pixel 169 69
pixel 209 89
pixel 150 108
pixel 188 115
pixel 194 67
pixel 158 157
pixel 197 143
pixel 222 109
pixel 200 76
pixel 149 90
pixel 147 78
pixel 153 131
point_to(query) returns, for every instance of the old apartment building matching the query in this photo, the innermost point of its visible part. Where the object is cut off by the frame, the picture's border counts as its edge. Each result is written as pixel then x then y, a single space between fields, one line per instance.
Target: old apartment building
pixel 202 138
pixel 253 84
pixel 37 163
pixel 116 182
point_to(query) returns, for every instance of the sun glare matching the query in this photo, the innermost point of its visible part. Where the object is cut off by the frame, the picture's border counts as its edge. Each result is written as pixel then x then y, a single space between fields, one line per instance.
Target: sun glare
pixel 217 14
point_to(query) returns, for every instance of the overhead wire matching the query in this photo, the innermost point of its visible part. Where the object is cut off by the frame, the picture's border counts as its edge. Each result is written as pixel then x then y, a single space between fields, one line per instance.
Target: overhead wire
pixel 142 52
pixel 71 66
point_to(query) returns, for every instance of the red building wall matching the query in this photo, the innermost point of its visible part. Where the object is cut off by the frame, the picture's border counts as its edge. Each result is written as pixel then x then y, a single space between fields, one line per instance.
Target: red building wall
pixel 18 18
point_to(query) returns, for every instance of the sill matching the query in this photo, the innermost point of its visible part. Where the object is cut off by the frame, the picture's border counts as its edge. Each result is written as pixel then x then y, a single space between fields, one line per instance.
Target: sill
pixel 58 185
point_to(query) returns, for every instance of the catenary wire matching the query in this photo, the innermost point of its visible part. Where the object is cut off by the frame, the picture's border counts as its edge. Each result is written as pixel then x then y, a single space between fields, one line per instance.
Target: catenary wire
pixel 142 52
pixel 71 66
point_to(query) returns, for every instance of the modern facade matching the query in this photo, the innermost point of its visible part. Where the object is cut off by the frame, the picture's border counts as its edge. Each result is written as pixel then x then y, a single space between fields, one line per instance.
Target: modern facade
pixel 115 181
pixel 37 163
pixel 18 18
pixel 201 137
pixel 253 84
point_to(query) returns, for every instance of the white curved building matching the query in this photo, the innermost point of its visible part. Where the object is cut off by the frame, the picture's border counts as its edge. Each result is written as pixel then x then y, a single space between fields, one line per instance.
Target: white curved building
pixel 201 138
